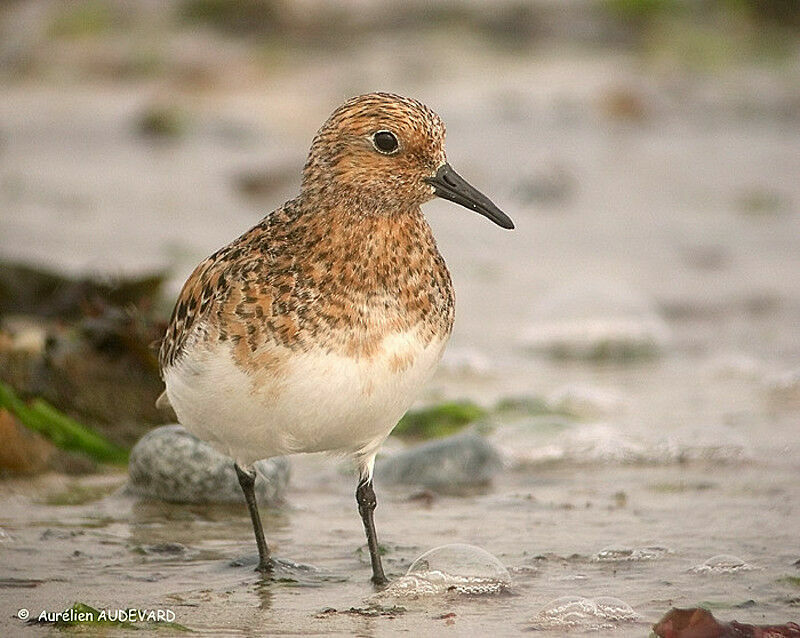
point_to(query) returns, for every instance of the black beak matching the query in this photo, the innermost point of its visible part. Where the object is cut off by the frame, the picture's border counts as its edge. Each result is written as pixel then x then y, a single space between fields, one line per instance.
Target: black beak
pixel 450 185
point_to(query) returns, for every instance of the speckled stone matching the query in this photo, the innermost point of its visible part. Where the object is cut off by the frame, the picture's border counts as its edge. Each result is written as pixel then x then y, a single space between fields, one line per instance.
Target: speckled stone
pixel 463 461
pixel 170 464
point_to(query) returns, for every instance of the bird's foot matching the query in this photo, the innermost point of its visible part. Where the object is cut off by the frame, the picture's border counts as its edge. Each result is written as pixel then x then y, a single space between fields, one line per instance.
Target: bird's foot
pixel 273 565
pixel 266 567
pixel 379 580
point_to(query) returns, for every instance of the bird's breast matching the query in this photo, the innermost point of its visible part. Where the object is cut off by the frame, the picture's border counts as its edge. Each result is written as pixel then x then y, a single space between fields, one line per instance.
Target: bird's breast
pixel 303 401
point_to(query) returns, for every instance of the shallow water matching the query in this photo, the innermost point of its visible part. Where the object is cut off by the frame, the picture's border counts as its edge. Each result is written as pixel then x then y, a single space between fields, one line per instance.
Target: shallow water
pixel 632 533
pixel 677 458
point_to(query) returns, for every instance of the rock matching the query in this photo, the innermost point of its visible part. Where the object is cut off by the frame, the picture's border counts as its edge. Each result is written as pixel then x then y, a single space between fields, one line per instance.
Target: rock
pixel 464 460
pixel 39 292
pixel 173 465
pixel 77 344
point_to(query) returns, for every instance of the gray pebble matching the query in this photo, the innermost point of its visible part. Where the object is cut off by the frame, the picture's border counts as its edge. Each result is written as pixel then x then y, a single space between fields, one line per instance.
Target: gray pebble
pixel 170 464
pixel 457 462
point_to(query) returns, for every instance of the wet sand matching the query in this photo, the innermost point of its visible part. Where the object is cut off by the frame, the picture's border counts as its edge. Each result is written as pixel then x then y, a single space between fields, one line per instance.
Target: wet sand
pixel 550 527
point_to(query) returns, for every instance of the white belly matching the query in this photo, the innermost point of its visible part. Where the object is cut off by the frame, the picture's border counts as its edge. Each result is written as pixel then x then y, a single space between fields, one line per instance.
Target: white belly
pixel 311 402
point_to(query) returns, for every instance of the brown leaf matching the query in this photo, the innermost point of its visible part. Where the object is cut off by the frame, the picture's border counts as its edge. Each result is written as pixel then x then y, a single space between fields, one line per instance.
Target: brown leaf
pixel 700 623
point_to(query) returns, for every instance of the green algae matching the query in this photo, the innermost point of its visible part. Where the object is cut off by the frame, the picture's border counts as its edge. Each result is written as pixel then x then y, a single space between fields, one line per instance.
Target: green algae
pixel 439 420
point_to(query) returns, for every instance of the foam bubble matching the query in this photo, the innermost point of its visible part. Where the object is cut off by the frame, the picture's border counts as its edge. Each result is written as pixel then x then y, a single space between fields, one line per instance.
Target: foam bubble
pixel 722 564
pixel 615 609
pixel 624 554
pixel 567 611
pixel 460 568
pixel 577 612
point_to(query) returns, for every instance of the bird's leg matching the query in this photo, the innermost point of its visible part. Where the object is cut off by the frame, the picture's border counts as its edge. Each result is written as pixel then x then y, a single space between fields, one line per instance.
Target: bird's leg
pixel 365 496
pixel 247 479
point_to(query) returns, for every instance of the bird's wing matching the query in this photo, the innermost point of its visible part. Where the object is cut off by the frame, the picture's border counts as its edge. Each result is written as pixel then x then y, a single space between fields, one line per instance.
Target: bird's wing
pixel 200 290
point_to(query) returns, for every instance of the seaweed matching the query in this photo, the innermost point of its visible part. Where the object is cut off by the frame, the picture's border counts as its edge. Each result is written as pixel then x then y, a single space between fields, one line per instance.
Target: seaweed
pixel 439 420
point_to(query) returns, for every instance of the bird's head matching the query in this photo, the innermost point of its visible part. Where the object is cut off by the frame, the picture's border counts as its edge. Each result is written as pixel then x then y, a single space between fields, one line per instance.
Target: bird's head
pixel 382 152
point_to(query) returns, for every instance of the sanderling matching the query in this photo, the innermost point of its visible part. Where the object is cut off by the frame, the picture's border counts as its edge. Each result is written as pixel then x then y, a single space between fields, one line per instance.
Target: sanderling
pixel 315 330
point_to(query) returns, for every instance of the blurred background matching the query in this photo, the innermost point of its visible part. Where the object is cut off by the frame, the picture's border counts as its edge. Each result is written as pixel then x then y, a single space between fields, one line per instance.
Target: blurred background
pixel 648 151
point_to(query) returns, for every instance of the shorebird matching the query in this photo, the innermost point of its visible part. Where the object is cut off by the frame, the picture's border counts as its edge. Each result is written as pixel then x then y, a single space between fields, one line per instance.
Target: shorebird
pixel 315 330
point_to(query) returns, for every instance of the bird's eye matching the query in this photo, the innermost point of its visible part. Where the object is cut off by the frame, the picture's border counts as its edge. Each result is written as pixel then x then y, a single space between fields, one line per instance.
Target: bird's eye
pixel 385 142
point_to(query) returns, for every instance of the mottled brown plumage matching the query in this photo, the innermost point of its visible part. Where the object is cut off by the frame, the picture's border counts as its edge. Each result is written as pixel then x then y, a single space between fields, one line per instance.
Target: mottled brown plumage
pixel 348 260
pixel 315 329
pixel 358 278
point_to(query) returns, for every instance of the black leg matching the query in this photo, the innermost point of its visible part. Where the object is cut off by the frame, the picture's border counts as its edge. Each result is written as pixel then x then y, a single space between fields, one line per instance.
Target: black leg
pixel 365 496
pixel 247 479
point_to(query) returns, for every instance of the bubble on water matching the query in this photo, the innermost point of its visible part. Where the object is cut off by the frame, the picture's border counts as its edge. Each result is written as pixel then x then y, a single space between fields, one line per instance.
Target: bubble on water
pixel 460 568
pixel 567 611
pixel 614 554
pixel 722 564
pixel 650 553
pixel 615 609
pixel 577 612
pixel 624 554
